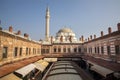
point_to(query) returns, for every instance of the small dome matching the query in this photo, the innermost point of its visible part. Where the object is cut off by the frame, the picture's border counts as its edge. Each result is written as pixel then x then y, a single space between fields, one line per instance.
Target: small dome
pixel 65 30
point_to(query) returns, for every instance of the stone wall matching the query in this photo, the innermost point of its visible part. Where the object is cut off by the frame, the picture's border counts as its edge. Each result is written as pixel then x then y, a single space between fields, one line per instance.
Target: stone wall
pixel 14 47
pixel 106 47
pixel 60 48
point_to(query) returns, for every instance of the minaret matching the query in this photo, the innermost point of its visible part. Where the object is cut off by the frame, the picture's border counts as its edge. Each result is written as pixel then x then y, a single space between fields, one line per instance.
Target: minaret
pixel 0 25
pixel 47 24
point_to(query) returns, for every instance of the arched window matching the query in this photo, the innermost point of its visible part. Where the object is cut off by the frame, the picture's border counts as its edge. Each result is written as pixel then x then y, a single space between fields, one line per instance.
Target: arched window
pixel 79 49
pixel 69 50
pixel 43 51
pixel 47 50
pixel 5 52
pixel 16 51
pixel 64 49
pixel 75 49
pixel 95 50
pixel 102 49
pixel 59 49
pixel 55 50
pixel 98 50
pixel 108 50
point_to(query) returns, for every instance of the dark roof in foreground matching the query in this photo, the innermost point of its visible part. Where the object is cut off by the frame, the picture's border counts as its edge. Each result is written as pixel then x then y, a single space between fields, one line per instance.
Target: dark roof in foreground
pixel 66 70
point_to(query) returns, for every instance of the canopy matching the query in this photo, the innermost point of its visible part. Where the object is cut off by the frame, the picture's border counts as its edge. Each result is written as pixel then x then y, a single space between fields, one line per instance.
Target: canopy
pixel 50 59
pixel 90 62
pixel 10 76
pixel 39 66
pixel 101 70
pixel 25 70
pixel 43 63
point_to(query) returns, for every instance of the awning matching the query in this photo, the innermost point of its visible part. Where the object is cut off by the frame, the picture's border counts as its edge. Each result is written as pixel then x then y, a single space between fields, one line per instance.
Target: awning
pixel 90 62
pixel 101 70
pixel 50 59
pixel 9 68
pixel 25 70
pixel 43 63
pixel 10 76
pixel 39 66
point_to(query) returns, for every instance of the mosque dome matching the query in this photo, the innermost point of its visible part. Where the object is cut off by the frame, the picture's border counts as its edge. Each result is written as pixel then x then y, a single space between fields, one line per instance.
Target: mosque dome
pixel 65 35
pixel 65 30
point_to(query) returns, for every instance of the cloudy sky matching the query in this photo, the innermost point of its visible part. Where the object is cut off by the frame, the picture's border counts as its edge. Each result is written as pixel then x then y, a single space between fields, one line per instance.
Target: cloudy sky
pixel 84 17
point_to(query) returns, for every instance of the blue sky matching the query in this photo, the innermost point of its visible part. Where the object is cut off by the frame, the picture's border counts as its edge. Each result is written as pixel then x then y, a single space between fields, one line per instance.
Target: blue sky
pixel 84 17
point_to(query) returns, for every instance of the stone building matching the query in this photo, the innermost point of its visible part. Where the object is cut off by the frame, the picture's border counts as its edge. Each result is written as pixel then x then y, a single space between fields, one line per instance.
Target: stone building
pixel 100 56
pixel 106 47
pixel 14 46
pixel 64 42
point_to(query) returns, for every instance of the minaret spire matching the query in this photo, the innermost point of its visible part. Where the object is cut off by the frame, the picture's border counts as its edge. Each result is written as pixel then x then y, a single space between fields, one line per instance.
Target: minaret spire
pixel 47 24
pixel 0 25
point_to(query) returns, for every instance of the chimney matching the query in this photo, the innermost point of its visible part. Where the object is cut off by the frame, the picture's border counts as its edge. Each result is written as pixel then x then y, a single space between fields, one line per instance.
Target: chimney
pixel 85 40
pixel 10 29
pixel 109 30
pixel 82 38
pixel 0 28
pixel 0 25
pixel 19 32
pixel 26 35
pixel 94 36
pixel 91 37
pixel 101 33
pixel 118 25
pixel 88 39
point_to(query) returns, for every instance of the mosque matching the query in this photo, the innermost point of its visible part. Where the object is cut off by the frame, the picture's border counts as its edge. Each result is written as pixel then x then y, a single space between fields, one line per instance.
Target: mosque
pixel 60 57
pixel 65 35
pixel 65 40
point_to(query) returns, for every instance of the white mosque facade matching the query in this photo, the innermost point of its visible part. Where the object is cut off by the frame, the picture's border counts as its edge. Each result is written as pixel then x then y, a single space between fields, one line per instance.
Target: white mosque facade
pixel 65 40
pixel 64 35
